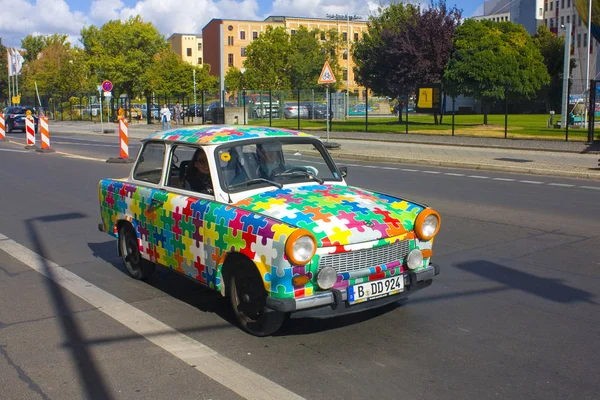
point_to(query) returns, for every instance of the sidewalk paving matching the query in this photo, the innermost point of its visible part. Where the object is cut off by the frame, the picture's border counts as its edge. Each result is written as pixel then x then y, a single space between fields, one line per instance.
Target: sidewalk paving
pixel 542 157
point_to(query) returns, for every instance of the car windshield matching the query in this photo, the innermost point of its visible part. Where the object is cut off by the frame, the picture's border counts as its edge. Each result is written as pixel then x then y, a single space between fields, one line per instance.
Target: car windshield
pixel 274 163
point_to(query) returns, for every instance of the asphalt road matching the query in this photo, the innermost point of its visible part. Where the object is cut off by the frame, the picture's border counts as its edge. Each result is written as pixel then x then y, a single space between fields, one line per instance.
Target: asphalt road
pixel 514 313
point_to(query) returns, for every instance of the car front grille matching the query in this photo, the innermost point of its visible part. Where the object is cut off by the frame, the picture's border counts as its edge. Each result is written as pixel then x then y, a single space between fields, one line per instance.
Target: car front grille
pixel 360 259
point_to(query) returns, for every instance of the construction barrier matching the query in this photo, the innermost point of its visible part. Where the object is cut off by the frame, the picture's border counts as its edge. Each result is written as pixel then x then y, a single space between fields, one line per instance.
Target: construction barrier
pixel 124 135
pixel 45 135
pixel 30 132
pixel 2 127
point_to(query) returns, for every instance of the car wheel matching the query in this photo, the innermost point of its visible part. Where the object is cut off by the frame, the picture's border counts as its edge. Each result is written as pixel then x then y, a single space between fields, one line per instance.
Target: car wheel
pixel 138 267
pixel 248 299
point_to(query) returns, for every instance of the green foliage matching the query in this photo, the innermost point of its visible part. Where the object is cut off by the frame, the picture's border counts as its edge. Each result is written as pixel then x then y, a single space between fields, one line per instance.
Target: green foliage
pixel 33 45
pixel 331 48
pixel 4 74
pixel 489 55
pixel 306 59
pixel 268 60
pixel 122 52
pixel 552 49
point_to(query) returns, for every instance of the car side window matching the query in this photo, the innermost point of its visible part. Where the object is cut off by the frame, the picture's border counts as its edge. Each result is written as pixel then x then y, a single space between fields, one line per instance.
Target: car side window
pixel 149 165
pixel 181 158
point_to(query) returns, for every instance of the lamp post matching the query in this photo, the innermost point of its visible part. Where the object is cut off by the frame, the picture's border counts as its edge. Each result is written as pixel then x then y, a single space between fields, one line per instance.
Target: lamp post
pixel 587 69
pixel 564 116
pixel 243 71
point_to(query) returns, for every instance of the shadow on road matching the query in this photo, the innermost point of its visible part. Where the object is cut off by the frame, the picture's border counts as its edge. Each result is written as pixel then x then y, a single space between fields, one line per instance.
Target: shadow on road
pixel 549 289
pixel 93 382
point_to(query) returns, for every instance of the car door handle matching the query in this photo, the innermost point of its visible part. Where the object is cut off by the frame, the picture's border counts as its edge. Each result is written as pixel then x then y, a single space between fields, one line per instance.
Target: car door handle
pixel 157 203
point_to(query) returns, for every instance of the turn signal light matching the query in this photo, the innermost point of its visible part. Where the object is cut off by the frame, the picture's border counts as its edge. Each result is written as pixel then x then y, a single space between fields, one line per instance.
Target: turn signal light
pixel 300 280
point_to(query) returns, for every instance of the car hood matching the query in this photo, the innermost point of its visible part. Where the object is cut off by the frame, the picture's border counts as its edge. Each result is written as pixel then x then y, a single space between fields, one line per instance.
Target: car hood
pixel 337 215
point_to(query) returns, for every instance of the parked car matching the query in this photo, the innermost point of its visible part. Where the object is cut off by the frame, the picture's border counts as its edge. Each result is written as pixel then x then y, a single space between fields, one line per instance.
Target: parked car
pixel 143 107
pixel 208 109
pixel 360 109
pixel 315 109
pixel 194 110
pixel 14 118
pixel 261 105
pixel 295 240
pixel 290 110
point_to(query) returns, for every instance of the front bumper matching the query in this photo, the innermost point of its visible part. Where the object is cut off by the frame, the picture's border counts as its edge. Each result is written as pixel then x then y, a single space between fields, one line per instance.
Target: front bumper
pixel 335 301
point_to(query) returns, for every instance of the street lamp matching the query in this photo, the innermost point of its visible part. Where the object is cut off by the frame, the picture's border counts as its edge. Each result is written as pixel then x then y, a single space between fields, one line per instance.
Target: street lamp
pixel 243 70
pixel 564 116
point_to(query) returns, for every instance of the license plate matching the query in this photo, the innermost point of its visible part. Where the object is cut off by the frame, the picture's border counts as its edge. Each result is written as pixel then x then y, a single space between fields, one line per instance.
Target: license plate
pixel 375 289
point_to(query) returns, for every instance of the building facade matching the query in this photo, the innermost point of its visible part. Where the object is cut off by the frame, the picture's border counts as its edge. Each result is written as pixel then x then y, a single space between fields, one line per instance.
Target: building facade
pixel 230 50
pixel 188 46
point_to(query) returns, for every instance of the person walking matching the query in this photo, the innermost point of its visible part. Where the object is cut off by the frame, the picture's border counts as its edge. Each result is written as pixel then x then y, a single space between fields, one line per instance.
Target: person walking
pixel 165 117
pixel 177 114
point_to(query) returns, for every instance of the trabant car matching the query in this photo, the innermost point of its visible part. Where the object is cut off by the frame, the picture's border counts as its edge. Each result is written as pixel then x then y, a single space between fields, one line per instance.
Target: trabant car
pixel 292 240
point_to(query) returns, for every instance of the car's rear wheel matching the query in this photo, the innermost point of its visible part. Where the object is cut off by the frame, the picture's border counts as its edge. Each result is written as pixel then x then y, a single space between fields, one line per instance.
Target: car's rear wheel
pixel 138 267
pixel 248 299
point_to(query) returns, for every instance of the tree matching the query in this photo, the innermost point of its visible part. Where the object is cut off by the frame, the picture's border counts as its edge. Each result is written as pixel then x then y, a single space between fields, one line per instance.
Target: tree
pixel 4 74
pixel 488 56
pixel 268 61
pixel 306 60
pixel 33 45
pixel 405 46
pixel 552 49
pixel 122 52
pixel 331 48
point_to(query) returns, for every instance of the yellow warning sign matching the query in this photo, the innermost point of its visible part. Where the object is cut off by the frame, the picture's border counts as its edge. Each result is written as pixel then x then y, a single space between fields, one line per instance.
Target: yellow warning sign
pixel 16 99
pixel 425 98
pixel 326 74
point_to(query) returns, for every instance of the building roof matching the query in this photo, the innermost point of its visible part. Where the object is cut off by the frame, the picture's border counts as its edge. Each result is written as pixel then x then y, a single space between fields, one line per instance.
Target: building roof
pixel 218 134
pixel 198 35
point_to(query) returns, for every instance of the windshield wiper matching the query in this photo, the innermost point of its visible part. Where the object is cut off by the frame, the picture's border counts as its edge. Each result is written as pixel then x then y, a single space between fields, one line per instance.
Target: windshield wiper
pixel 255 181
pixel 303 173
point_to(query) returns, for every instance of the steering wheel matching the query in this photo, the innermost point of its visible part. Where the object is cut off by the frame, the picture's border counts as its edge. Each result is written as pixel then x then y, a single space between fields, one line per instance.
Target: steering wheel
pixel 295 169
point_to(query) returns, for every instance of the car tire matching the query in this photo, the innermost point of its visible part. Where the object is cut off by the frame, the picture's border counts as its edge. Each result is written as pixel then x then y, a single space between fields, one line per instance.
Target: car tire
pixel 138 267
pixel 248 298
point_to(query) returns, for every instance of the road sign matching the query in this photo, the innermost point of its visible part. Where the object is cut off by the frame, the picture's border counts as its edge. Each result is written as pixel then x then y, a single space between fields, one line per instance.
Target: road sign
pixel 107 85
pixel 326 74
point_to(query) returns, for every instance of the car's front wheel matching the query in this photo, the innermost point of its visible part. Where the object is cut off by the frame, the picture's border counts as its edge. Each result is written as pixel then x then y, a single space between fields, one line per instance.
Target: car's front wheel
pixel 248 300
pixel 138 267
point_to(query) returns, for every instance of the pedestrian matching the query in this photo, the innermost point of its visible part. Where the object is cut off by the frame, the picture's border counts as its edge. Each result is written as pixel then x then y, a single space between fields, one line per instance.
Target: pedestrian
pixel 165 117
pixel 177 114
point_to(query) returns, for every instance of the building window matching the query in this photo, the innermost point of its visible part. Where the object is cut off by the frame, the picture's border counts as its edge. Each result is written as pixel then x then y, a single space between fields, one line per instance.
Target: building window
pixel 551 5
pixel 188 51
pixel 254 35
pixel 355 36
pixel 293 32
pixel 199 60
pixel 242 35
pixel 322 35
pixel 585 40
pixel 230 40
pixel 230 59
pixel 345 75
pixel 568 19
pixel 345 36
pixel 562 3
pixel 568 3
pixel 345 55
pixel 243 52
pixel 579 20
pixel 551 23
pixel 579 40
pixel 546 22
pixel 557 4
pixel 199 46
pixel 545 6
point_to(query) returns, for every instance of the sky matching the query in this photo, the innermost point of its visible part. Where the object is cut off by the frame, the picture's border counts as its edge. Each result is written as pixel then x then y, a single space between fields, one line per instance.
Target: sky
pixel 41 17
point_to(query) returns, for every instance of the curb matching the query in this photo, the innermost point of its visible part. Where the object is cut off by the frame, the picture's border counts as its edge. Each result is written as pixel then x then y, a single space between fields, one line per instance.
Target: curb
pixel 466 165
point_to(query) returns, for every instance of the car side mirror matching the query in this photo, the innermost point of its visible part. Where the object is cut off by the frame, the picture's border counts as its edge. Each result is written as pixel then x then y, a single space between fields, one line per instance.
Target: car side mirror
pixel 344 171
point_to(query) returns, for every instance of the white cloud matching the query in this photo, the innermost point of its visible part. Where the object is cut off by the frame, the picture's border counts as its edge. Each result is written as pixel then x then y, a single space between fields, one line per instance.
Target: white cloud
pixel 320 8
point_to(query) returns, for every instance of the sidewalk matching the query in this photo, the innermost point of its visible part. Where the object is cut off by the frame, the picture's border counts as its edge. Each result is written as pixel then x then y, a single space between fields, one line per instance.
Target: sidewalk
pixel 541 157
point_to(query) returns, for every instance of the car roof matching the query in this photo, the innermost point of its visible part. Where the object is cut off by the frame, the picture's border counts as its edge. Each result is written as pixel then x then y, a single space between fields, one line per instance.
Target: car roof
pixel 218 134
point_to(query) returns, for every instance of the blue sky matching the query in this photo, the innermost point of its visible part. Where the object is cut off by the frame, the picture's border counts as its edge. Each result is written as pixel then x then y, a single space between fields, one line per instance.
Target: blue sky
pixel 22 17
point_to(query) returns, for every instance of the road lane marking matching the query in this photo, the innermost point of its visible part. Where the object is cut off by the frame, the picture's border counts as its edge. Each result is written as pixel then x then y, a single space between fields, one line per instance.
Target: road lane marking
pixel 228 373
pixel 69 155
pixel 504 179
pixel 590 187
pixel 453 174
pixel 390 168
pixel 409 170
pixel 478 177
pixel 560 184
pixel 15 151
pixel 431 172
pixel 532 182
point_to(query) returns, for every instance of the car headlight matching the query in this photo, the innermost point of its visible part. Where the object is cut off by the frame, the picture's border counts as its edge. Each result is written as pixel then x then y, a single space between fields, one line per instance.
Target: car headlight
pixel 414 259
pixel 326 277
pixel 300 247
pixel 427 224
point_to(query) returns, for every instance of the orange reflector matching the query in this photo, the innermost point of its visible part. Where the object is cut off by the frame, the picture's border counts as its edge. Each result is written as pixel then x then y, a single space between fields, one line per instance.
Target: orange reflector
pixel 300 280
pixel 426 253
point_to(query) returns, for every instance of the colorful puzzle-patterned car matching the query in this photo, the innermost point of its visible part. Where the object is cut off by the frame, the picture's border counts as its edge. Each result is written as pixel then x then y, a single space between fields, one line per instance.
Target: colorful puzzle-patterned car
pixel 277 231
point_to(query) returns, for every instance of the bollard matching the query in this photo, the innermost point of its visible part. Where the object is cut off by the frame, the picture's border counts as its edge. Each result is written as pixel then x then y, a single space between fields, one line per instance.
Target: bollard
pixel 124 144
pixel 2 128
pixel 30 132
pixel 44 135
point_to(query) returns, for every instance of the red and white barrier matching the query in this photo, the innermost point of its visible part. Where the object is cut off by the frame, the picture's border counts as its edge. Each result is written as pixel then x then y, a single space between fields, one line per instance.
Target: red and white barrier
pixel 30 132
pixel 45 135
pixel 2 127
pixel 124 136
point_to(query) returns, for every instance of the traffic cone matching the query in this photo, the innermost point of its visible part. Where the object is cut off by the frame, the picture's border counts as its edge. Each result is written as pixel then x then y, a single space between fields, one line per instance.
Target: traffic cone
pixel 124 144
pixel 2 128
pixel 45 135
pixel 30 132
